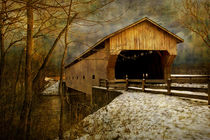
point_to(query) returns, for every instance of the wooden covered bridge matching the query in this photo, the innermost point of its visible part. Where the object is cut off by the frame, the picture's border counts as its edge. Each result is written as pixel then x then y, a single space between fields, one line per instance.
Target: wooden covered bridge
pixel 143 47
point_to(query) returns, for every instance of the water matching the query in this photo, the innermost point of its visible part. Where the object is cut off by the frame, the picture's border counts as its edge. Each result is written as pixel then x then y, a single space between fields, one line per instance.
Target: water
pixel 46 114
pixel 45 118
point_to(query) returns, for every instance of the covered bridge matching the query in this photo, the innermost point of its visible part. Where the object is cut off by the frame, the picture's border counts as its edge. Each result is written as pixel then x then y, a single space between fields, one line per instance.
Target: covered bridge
pixel 142 47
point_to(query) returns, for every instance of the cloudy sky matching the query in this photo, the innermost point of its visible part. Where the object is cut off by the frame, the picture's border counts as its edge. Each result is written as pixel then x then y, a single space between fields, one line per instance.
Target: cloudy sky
pixel 125 12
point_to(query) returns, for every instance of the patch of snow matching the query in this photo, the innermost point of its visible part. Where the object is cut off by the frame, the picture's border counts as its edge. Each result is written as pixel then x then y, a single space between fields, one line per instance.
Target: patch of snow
pixel 190 92
pixel 110 88
pixel 138 115
pixel 161 90
pixel 187 75
pixel 135 88
pixel 190 85
pixel 99 87
pixel 172 91
pixel 48 79
pixel 186 85
pixel 52 89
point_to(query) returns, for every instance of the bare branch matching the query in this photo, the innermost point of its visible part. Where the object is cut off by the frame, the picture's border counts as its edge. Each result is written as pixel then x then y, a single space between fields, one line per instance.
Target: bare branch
pixel 13 43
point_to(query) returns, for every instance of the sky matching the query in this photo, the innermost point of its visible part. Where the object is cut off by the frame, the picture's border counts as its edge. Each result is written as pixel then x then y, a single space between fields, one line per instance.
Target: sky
pixel 125 12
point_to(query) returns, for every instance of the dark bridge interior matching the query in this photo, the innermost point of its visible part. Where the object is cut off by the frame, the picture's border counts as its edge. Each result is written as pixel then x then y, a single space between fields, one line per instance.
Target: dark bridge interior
pixel 135 63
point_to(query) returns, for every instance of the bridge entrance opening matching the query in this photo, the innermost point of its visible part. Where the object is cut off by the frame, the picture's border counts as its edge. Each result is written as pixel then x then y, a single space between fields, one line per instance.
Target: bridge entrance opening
pixel 136 63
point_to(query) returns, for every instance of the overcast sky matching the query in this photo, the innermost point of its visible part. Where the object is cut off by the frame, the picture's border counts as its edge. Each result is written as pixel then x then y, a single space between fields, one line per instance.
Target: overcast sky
pixel 125 12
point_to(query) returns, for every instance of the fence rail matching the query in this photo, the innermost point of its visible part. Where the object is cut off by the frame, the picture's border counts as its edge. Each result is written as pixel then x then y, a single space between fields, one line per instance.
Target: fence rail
pixel 164 86
pixel 190 78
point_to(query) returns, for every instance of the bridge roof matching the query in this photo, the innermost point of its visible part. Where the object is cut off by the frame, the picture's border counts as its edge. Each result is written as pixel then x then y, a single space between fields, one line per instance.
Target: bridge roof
pixel 92 50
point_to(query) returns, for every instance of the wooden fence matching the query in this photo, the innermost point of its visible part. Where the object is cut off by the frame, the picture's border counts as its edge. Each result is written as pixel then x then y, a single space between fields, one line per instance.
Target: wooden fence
pixel 170 86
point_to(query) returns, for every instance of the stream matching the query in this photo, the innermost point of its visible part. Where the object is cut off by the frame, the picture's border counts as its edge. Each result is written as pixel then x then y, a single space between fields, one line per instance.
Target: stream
pixel 46 114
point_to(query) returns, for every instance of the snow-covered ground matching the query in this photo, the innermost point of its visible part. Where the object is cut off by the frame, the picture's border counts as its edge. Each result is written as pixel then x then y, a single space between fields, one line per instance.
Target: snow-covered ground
pixel 51 87
pixel 138 115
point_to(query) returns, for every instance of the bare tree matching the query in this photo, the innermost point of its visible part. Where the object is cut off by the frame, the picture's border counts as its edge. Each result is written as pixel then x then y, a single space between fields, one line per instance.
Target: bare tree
pixel 195 16
pixel 76 13
pixel 61 89
pixel 14 99
pixel 28 74
pixel 79 12
pixel 11 18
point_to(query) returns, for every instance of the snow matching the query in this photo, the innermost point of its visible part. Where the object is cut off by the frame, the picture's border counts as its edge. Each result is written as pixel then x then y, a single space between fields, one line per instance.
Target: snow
pixel 188 75
pixel 186 85
pixel 51 87
pixel 138 115
pixel 172 91
pixel 190 92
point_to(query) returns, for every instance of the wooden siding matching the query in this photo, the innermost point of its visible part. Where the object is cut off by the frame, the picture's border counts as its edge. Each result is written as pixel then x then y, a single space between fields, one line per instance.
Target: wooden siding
pixel 143 36
pixel 95 64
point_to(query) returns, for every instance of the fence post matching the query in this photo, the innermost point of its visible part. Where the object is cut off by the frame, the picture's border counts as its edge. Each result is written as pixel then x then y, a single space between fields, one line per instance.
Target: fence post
pixel 169 86
pixel 126 82
pixel 107 84
pixel 209 92
pixel 143 85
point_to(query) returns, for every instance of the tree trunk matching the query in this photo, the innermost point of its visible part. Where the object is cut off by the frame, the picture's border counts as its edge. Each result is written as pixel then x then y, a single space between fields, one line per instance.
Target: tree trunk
pixel 61 89
pixel 2 63
pixel 28 75
pixel 40 73
pixel 2 47
pixel 61 122
pixel 11 128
